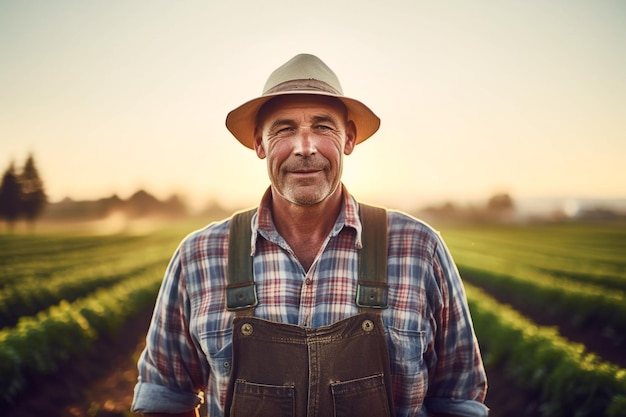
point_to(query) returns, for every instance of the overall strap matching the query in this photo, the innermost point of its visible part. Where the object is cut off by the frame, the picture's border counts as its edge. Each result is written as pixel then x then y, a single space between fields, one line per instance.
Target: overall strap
pixel 241 294
pixel 372 285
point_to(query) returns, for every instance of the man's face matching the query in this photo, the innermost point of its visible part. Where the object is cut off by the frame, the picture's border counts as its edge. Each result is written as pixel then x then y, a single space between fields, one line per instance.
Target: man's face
pixel 304 139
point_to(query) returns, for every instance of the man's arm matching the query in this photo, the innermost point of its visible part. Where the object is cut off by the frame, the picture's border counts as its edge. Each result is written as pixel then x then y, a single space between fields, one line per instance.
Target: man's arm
pixel 171 372
pixel 458 385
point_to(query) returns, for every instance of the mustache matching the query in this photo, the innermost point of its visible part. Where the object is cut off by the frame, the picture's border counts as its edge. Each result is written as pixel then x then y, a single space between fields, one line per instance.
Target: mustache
pixel 306 164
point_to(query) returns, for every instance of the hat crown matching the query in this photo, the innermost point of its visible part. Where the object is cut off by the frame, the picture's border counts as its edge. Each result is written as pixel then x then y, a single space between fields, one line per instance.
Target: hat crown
pixel 303 72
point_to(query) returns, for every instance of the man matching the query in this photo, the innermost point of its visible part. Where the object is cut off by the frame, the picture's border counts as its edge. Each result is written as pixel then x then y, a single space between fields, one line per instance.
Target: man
pixel 338 308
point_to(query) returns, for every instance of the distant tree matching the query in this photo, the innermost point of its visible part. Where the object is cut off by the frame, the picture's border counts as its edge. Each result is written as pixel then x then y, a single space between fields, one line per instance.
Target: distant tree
pixel 10 196
pixel 501 202
pixel 500 208
pixel 33 195
pixel 174 207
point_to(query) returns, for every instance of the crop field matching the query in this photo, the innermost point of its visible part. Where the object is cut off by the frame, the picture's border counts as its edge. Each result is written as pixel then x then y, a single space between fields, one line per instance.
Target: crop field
pixel 548 303
pixel 60 294
pixel 549 309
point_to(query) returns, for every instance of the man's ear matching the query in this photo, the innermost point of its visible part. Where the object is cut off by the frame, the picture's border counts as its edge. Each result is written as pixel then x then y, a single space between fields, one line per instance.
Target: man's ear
pixel 258 145
pixel 350 138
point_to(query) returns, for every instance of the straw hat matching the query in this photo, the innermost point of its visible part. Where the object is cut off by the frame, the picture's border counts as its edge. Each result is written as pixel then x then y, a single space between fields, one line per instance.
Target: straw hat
pixel 303 74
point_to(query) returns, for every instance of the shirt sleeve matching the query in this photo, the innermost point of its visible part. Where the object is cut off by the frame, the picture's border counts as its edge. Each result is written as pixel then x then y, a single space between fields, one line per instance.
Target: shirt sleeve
pixel 171 370
pixel 458 383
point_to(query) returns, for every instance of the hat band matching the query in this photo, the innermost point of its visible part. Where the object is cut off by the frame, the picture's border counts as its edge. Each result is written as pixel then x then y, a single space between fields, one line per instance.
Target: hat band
pixel 304 85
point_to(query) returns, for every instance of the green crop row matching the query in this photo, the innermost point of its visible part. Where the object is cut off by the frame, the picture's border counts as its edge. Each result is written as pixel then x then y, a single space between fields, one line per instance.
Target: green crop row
pixel 55 268
pixel 509 268
pixel 580 305
pixel 30 297
pixel 568 380
pixel 18 247
pixel 587 254
pixel 41 257
pixel 39 345
pixel 567 270
pixel 596 243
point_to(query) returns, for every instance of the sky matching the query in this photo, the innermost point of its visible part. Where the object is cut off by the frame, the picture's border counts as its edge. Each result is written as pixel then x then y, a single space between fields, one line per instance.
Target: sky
pixel 475 98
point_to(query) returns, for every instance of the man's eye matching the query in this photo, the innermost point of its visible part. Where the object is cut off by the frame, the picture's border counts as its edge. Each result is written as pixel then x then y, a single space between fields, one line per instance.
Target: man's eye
pixel 323 128
pixel 284 130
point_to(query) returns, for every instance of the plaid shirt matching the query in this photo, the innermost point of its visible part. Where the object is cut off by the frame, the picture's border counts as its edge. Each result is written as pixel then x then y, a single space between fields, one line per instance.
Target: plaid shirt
pixel 435 359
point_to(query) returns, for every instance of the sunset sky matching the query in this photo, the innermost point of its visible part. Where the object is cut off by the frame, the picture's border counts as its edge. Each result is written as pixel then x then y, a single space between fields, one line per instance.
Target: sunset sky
pixel 475 97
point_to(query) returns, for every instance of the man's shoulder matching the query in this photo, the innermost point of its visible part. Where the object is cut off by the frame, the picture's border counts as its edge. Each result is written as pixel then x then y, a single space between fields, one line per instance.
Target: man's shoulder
pixel 411 235
pixel 401 220
pixel 211 234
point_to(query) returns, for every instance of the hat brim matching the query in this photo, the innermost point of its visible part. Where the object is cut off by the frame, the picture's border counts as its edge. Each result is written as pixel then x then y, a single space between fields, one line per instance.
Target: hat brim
pixel 241 122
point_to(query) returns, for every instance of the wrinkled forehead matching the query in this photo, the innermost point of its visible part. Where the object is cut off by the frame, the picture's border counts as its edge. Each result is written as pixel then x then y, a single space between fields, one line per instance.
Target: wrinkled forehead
pixel 302 101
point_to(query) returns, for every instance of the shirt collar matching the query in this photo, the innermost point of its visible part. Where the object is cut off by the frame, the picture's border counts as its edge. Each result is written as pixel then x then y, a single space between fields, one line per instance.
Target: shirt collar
pixel 262 223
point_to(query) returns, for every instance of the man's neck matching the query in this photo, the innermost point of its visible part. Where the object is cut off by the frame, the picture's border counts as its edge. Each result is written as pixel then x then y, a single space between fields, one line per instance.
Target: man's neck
pixel 306 227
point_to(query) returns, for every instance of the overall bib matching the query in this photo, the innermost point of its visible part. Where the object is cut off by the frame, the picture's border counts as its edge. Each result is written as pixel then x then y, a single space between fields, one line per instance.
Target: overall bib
pixel 286 370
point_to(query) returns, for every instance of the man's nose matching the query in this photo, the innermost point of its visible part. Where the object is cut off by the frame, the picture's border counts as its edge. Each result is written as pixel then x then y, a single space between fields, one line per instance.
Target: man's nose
pixel 304 143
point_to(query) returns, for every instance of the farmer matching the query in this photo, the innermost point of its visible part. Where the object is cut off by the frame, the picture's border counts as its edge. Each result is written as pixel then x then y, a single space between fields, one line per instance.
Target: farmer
pixel 312 304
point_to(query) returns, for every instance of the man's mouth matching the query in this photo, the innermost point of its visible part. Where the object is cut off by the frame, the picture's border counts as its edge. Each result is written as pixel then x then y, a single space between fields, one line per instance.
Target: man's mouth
pixel 306 171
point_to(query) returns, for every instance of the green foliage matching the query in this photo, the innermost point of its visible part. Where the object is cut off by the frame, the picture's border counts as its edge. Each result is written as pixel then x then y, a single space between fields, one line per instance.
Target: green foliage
pixel 569 380
pixel 617 407
pixel 28 297
pixel 591 254
pixel 42 271
pixel 40 345
pixel 581 305
pixel 66 292
pixel 574 272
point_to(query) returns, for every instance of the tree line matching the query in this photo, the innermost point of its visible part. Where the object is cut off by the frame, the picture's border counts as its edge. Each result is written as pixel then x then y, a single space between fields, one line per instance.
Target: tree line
pixel 22 194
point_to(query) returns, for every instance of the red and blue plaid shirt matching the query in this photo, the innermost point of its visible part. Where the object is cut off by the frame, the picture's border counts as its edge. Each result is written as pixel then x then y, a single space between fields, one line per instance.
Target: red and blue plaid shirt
pixel 435 359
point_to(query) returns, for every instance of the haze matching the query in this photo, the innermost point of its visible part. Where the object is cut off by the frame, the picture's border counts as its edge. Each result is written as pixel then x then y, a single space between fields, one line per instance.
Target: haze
pixel 475 97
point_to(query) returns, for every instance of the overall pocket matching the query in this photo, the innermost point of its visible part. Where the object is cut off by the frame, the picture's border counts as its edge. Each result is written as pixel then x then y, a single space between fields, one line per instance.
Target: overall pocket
pixel 260 400
pixel 364 397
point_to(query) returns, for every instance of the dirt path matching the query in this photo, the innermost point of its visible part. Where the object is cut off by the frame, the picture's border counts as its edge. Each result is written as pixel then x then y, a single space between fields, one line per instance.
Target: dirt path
pixel 112 394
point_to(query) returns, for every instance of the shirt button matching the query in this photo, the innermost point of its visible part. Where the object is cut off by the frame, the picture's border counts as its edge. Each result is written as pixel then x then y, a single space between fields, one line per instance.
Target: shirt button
pixel 308 281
